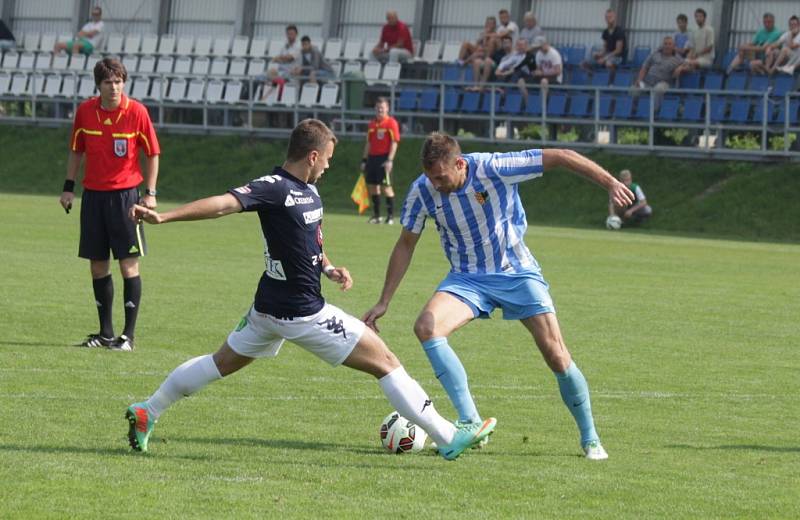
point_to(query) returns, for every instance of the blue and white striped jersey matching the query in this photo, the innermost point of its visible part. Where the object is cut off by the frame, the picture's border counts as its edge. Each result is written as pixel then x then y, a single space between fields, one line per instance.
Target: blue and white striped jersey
pixel 481 225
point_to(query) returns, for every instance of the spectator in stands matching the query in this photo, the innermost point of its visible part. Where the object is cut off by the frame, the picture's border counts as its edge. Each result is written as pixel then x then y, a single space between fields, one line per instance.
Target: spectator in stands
pixel 637 212
pixel 614 45
pixel 7 40
pixel 754 50
pixel 682 36
pixel 701 52
pixel 659 70
pixel 395 44
pixel 788 57
pixel 549 69
pixel 531 31
pixel 289 58
pixel 515 65
pixel 88 38
pixel 482 68
pixel 470 51
pixel 507 28
pixel 312 63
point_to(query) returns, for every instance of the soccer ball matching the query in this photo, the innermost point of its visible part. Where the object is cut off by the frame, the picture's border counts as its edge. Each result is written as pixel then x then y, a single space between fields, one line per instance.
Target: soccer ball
pixel 399 435
pixel 613 222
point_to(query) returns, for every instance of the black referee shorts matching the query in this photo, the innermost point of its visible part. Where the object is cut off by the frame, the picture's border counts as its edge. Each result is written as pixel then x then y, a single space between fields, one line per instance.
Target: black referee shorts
pixel 374 173
pixel 105 225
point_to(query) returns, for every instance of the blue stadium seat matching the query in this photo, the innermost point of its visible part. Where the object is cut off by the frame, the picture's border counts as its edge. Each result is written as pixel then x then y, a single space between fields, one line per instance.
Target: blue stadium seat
pixel 623 107
pixel 451 96
pixel 407 100
pixel 713 81
pixel 783 84
pixel 693 109
pixel 728 58
pixel 668 111
pixel 758 111
pixel 556 104
pixel 486 105
pixel 623 78
pixel 428 100
pixel 758 83
pixel 451 72
pixel 780 112
pixel 739 111
pixel 470 101
pixel 600 78
pixel 689 80
pixel 512 104
pixel 643 108
pixel 469 76
pixel 719 106
pixel 640 54
pixel 574 55
pixel 579 77
pixel 534 106
pixel 605 106
pixel 736 81
pixel 580 105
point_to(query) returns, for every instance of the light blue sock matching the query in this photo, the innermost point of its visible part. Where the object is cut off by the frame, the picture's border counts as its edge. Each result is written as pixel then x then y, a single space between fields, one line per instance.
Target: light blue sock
pixel 575 393
pixel 450 372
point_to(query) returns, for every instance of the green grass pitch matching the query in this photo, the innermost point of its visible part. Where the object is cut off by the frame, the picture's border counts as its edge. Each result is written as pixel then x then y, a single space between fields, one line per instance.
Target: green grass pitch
pixel 691 348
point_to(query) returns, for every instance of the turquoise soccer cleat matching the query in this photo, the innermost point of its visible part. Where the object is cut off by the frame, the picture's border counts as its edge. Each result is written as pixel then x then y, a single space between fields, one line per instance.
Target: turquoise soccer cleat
pixel 140 426
pixel 467 436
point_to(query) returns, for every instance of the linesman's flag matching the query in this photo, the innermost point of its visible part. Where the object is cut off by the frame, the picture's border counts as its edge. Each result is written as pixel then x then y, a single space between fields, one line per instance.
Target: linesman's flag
pixel 360 196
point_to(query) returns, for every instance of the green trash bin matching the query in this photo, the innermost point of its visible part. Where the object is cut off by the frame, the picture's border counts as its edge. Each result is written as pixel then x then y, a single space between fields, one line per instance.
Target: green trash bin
pixel 354 86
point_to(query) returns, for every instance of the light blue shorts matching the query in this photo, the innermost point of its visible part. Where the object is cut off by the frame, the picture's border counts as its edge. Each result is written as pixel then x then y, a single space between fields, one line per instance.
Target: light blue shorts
pixel 520 295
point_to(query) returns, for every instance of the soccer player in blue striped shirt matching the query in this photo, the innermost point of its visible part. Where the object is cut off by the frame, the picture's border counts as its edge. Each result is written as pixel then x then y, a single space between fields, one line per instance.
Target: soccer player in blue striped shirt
pixel 474 202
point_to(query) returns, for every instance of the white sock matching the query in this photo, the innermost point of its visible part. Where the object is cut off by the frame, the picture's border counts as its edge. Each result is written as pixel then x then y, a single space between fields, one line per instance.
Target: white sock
pixel 182 382
pixel 411 401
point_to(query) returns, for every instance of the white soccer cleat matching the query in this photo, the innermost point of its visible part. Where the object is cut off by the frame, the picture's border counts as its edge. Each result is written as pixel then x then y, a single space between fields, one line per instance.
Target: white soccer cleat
pixel 594 451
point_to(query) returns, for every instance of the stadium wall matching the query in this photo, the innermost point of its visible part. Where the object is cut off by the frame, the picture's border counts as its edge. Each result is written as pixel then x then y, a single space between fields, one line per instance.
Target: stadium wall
pixel 713 198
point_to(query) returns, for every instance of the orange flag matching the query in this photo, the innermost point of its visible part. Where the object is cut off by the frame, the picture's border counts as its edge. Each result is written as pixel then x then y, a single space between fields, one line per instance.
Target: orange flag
pixel 360 196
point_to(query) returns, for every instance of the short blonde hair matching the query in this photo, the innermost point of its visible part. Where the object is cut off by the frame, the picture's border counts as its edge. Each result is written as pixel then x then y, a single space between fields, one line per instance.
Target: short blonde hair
pixel 438 148
pixel 307 136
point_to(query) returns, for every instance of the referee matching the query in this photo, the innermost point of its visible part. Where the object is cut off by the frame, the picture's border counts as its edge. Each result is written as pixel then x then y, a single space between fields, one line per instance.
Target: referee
pixel 383 136
pixel 109 130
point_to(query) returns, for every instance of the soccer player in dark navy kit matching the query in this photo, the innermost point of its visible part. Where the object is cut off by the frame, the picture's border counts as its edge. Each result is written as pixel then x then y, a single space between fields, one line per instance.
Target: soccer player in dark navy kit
pixel 289 304
pixel 109 130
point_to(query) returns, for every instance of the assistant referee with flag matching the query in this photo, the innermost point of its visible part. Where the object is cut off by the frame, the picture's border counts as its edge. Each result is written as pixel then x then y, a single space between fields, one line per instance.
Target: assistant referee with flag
pixel 109 130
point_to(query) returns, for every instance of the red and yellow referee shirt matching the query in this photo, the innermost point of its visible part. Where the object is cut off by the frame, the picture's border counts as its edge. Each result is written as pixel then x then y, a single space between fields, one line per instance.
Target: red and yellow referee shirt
pixel 381 134
pixel 111 140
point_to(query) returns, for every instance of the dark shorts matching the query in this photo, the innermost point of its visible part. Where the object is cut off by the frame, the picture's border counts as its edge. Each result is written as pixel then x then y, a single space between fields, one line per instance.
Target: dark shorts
pixel 375 173
pixel 105 225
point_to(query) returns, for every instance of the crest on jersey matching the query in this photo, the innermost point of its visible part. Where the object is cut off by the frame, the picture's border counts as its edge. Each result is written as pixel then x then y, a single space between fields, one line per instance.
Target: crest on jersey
pixel 381 133
pixel 120 147
pixel 481 197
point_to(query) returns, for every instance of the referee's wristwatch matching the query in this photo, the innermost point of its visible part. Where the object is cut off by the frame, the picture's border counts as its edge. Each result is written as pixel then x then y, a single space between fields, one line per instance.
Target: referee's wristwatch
pixel 151 193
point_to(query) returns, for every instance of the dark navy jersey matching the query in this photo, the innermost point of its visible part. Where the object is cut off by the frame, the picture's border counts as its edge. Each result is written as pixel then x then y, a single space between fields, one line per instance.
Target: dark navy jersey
pixel 291 220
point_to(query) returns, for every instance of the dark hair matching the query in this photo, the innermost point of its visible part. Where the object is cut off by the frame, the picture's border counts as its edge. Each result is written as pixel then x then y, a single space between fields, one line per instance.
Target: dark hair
pixel 503 11
pixel 305 39
pixel 438 148
pixel 701 10
pixel 683 17
pixel 291 28
pixel 506 37
pixel 108 67
pixel 794 17
pixel 381 99
pixel 307 136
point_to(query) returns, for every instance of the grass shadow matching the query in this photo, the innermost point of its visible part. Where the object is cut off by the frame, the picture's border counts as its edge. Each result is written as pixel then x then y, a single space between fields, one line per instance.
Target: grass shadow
pixel 125 452
pixel 33 344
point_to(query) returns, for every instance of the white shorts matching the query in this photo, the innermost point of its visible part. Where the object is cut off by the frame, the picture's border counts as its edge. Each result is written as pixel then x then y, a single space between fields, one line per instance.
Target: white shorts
pixel 331 334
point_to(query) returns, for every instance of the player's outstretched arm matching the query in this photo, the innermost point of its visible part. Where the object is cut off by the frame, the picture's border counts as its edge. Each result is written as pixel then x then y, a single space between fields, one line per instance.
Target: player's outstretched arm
pixel 211 207
pixel 398 265
pixel 618 193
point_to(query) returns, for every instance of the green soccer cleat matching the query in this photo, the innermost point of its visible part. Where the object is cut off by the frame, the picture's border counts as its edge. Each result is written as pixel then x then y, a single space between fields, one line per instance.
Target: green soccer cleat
pixel 140 426
pixel 478 446
pixel 467 436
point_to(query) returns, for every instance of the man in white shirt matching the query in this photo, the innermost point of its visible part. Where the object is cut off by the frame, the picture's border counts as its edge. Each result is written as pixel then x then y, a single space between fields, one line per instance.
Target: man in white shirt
pixel 549 69
pixel 789 56
pixel 290 56
pixel 88 38
pixel 507 27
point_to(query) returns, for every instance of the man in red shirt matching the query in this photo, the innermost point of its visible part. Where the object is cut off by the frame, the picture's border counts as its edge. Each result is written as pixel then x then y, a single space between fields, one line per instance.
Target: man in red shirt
pixel 383 136
pixel 396 44
pixel 109 130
